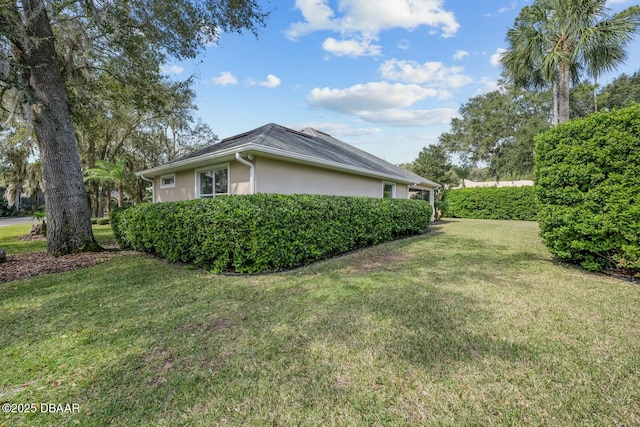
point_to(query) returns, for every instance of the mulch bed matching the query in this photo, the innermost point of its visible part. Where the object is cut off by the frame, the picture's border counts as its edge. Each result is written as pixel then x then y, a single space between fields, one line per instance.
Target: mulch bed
pixel 31 264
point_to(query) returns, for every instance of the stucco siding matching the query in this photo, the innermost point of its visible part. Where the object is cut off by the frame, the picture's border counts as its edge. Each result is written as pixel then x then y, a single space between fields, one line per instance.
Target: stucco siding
pixel 183 190
pixel 239 178
pixel 402 191
pixel 275 176
pixel 185 183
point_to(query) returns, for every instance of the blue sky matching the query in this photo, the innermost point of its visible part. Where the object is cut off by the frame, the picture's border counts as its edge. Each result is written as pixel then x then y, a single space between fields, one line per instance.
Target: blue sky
pixel 386 76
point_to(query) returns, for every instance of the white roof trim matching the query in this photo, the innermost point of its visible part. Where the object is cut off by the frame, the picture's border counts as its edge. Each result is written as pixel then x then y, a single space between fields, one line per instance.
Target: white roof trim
pixel 300 158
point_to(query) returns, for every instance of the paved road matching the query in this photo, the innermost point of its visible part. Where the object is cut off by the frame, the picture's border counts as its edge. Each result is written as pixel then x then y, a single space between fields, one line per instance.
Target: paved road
pixel 5 222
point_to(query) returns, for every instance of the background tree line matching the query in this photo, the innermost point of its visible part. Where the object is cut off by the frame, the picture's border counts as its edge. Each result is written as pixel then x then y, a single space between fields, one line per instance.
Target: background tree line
pixel 493 137
pixel 131 127
pixel 82 82
pixel 552 45
pixel 120 110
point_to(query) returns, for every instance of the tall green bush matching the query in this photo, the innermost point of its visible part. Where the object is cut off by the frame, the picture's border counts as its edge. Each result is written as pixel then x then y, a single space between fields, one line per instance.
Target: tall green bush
pixel 265 232
pixel 588 185
pixel 492 203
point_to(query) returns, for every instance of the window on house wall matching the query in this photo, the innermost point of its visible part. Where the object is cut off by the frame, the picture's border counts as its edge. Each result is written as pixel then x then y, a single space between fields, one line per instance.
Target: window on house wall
pixel 212 182
pixel 425 195
pixel 168 181
pixel 388 190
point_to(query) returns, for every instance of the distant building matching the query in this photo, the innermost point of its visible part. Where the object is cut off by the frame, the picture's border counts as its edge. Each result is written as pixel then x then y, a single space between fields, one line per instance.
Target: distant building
pixel 475 184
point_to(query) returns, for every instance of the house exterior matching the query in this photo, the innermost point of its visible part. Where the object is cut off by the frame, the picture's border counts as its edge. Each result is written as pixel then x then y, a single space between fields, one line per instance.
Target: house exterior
pixel 276 159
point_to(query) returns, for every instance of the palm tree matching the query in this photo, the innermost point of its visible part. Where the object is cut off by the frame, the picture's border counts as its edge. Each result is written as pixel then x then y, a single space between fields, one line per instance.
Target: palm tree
pixel 554 41
pixel 112 172
pixel 463 172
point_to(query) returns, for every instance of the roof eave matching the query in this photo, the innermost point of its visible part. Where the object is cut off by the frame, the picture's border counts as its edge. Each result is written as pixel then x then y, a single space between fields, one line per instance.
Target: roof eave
pixel 327 164
pixel 192 162
pixel 281 154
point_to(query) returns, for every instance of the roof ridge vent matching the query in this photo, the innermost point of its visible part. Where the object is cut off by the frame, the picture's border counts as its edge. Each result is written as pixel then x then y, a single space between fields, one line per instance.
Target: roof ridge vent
pixel 309 131
pixel 314 132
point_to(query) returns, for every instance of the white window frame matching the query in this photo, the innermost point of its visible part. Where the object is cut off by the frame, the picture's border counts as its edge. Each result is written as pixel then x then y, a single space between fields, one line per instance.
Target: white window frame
pixel 172 185
pixel 215 167
pixel 393 188
pixel 422 191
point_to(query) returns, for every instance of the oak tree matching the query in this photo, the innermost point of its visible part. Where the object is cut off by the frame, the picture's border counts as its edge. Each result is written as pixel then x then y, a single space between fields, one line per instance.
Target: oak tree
pixel 134 32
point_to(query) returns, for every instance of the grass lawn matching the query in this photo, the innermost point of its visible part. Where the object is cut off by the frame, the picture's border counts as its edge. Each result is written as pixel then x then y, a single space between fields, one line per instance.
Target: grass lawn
pixel 9 238
pixel 472 324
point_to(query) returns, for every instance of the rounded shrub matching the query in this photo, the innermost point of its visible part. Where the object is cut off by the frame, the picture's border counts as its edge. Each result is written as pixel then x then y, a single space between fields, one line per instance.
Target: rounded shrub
pixel 587 175
pixel 265 232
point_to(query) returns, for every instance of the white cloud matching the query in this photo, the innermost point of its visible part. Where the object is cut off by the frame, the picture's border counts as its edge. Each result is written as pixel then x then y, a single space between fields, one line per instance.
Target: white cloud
pixel 172 69
pixel 318 16
pixel 373 96
pixel 404 45
pixel 512 6
pixel 435 73
pixel 460 54
pixel 351 47
pixel 271 82
pixel 225 79
pixel 401 118
pixel 487 85
pixel 372 16
pixel 383 103
pixel 497 57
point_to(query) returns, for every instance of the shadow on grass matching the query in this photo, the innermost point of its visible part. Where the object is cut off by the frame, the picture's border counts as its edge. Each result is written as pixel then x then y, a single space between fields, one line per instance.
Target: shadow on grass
pixel 438 257
pixel 137 341
pixel 309 347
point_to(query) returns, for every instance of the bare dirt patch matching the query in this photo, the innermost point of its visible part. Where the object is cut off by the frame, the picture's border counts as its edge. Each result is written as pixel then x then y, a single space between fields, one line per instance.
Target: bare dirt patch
pixel 365 262
pixel 31 264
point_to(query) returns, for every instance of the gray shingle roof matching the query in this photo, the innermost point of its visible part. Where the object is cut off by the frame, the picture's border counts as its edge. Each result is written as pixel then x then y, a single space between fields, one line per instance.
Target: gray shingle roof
pixel 310 143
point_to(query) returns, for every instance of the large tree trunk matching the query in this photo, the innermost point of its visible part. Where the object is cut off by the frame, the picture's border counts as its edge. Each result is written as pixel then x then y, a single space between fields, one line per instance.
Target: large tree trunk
pixel 101 203
pixel 95 201
pixel 68 216
pixel 563 93
pixel 555 103
pixel 595 93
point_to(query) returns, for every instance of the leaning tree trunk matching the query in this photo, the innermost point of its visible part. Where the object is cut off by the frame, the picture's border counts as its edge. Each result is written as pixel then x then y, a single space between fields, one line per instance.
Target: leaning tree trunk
pixel 68 215
pixel 563 93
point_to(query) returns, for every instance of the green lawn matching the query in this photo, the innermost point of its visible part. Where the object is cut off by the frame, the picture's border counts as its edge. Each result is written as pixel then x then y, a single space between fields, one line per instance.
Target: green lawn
pixel 10 238
pixel 472 324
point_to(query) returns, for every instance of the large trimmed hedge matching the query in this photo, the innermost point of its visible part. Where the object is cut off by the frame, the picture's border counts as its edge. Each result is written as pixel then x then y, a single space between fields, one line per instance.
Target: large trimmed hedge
pixel 491 203
pixel 587 176
pixel 265 232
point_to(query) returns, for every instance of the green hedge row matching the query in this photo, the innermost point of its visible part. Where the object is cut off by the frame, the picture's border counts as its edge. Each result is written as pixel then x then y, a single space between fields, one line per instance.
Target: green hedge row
pixel 491 203
pixel 265 232
pixel 587 176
